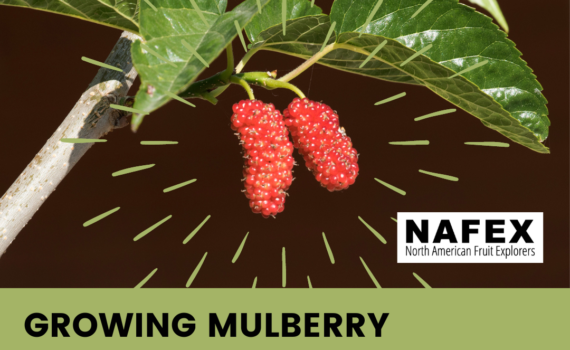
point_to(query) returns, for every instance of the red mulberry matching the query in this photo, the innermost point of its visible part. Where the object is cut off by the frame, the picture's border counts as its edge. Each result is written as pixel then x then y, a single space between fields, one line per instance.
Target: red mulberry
pixel 327 151
pixel 268 152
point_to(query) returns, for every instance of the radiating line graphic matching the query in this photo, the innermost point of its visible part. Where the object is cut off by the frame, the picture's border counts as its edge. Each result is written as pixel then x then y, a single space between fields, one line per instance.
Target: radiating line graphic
pixel 195 53
pixel 416 55
pixel 394 219
pixel 101 64
pixel 435 114
pixel 373 53
pixel 390 99
pixel 150 229
pixel 175 187
pixel 424 283
pixel 142 283
pixel 238 252
pixel 379 236
pixel 195 6
pixel 410 143
pixel 151 5
pixel 254 282
pixel 309 280
pixel 158 143
pixel 488 144
pixel 331 256
pixel 370 274
pixel 441 176
pixel 284 271
pixel 421 8
pixel 156 54
pixel 100 217
pixel 132 170
pixel 312 3
pixel 82 140
pixel 196 230
pixel 378 4
pixel 196 270
pixel 128 109
pixel 178 98
pixel 284 16
pixel 393 188
pixel 331 30
pixel 240 35
pixel 475 66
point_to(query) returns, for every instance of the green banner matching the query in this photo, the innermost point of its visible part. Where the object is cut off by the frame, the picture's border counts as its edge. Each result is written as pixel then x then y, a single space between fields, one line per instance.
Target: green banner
pixel 281 319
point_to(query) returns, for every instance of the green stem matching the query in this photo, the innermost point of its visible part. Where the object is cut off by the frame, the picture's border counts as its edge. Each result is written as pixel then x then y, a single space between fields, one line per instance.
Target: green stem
pixel 277 84
pixel 245 59
pixel 308 63
pixel 219 91
pixel 225 76
pixel 266 81
pixel 237 80
pixel 197 89
pixel 209 97
pixel 212 87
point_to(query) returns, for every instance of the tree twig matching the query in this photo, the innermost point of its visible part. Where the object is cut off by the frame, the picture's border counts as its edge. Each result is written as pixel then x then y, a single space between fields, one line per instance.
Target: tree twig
pixel 90 118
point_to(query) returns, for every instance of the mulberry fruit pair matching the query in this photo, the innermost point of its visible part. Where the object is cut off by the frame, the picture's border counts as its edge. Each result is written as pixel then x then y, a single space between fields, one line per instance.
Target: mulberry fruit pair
pixel 264 135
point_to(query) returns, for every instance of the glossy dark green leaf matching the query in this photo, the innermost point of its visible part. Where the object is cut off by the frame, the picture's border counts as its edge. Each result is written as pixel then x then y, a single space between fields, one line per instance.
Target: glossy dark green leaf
pixel 163 31
pixel 121 14
pixel 304 37
pixel 489 106
pixel 272 15
pixel 495 10
pixel 504 93
pixel 461 37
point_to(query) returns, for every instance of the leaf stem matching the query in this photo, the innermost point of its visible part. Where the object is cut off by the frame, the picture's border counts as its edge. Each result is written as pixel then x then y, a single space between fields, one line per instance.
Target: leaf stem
pixel 308 63
pixel 225 76
pixel 245 59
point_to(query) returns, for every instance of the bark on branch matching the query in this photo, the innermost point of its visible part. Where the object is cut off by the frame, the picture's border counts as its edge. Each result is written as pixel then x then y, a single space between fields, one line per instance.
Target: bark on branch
pixel 91 118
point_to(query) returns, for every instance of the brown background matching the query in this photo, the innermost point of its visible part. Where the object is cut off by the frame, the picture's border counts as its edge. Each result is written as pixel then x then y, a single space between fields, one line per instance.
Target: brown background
pixel 42 76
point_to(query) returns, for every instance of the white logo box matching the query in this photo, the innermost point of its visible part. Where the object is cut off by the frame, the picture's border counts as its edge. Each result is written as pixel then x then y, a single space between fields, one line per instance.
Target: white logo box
pixel 477 250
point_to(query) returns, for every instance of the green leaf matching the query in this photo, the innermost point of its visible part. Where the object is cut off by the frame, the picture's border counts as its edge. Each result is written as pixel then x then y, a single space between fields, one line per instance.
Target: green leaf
pixel 493 7
pixel 272 15
pixel 163 31
pixel 504 93
pixel 120 14
pixel 304 37
pixel 461 37
pixel 490 105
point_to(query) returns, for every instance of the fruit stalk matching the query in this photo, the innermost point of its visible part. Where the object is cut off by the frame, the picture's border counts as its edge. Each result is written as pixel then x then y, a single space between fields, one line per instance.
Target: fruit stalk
pixel 237 80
